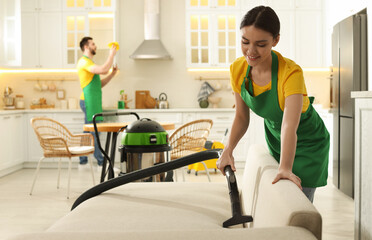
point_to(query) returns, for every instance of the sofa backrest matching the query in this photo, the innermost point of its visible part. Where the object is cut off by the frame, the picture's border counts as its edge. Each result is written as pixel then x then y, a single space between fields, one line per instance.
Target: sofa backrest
pixel 274 205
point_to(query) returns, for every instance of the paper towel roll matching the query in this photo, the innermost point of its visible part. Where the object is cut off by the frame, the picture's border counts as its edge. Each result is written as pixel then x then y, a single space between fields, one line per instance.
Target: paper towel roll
pixel 72 103
pixel 63 104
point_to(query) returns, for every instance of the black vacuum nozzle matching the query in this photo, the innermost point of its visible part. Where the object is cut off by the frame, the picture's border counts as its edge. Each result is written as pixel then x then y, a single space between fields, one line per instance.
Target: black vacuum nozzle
pixel 237 217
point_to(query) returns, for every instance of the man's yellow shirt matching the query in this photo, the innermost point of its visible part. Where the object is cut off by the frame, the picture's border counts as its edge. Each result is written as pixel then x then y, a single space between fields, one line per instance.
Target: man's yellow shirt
pixel 83 67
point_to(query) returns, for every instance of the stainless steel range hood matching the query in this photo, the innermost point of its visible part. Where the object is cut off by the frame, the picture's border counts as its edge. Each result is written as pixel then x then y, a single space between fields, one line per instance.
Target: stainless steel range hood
pixel 151 47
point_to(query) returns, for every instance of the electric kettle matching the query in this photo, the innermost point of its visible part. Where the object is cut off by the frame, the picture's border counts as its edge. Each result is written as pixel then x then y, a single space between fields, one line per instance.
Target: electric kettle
pixel 163 103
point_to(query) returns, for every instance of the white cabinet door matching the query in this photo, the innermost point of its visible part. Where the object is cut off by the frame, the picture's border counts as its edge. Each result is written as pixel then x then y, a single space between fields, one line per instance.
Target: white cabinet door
pixel 41 5
pixel 309 4
pixel 41 34
pixel 18 140
pixel 282 4
pixel 30 49
pixel 89 5
pixel 309 39
pixel 6 141
pixel 286 45
pixel 29 5
pixel 12 142
pixel 10 32
pixel 50 39
pixel 50 5
pixel 75 26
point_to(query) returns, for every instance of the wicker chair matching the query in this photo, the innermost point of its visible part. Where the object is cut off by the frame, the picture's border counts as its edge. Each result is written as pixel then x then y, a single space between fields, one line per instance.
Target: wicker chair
pixel 190 138
pixel 58 142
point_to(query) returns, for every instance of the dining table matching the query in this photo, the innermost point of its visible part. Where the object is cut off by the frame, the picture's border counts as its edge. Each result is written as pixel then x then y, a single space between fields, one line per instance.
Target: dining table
pixel 113 129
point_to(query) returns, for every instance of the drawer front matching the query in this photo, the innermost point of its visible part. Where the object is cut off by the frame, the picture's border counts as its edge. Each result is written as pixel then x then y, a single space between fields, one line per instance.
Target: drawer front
pixel 175 118
pixel 222 117
pixel 67 118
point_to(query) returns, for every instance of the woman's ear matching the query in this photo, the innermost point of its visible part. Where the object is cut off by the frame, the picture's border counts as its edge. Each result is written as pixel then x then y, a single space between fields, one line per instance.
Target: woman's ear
pixel 276 40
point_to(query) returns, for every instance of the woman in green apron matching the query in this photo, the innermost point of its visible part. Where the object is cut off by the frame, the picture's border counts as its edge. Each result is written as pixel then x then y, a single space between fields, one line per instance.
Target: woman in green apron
pixel 273 87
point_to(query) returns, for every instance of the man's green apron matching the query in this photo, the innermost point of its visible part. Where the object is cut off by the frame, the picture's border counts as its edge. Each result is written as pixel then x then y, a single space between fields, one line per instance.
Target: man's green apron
pixel 311 159
pixel 93 98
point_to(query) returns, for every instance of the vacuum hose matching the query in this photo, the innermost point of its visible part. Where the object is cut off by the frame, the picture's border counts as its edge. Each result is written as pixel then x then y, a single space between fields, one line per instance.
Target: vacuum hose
pixel 147 172
pixel 237 217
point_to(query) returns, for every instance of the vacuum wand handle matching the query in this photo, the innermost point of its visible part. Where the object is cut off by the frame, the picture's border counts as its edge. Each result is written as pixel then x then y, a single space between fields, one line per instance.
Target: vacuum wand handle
pixel 233 191
pixel 237 217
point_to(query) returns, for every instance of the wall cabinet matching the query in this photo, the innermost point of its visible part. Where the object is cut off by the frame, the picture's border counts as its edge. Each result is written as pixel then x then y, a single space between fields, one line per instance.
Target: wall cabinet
pixel 76 25
pixel 41 42
pixel 52 30
pixel 89 5
pixel 212 32
pixel 10 32
pixel 302 29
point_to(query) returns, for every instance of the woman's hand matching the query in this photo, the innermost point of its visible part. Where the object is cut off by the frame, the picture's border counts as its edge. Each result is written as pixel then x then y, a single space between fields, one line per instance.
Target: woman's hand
pixel 225 160
pixel 287 174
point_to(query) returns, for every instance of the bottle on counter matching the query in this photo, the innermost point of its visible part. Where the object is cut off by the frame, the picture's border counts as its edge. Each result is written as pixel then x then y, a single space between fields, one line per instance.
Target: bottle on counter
pixel 20 104
pixel 121 103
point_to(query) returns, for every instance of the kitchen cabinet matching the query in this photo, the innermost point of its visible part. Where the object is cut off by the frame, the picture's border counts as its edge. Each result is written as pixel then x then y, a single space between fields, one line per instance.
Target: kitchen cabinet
pixel 302 29
pixel 78 22
pixel 363 165
pixel 12 143
pixel 212 32
pixel 89 5
pixel 212 4
pixel 22 148
pixel 10 32
pixel 41 42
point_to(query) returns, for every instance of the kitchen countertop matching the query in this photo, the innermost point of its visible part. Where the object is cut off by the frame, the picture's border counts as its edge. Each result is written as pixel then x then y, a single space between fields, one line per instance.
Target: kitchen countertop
pixel 57 110
pixel 171 110
pixel 361 94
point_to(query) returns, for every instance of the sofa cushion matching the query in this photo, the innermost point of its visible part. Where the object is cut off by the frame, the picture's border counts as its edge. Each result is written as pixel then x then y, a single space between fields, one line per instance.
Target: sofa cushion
pixel 151 207
pixel 287 233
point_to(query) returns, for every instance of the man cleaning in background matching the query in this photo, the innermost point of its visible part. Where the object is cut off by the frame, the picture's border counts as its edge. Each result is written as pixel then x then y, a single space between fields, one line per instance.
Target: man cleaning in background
pixel 91 84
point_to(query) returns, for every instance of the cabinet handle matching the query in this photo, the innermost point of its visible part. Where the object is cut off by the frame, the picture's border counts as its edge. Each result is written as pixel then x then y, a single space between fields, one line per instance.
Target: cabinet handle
pixel 6 117
pixel 18 116
pixel 220 131
pixel 223 118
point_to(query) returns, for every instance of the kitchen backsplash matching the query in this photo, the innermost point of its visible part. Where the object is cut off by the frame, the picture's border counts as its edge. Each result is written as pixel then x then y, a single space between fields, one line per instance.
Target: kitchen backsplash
pixel 182 93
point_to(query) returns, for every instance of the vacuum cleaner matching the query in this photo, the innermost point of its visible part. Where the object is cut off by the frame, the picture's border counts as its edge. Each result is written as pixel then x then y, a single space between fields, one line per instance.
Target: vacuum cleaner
pixel 237 217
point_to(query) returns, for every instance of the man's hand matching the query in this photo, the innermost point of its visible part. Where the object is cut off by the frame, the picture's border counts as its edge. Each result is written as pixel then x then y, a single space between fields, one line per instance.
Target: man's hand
pixel 287 174
pixel 113 50
pixel 114 70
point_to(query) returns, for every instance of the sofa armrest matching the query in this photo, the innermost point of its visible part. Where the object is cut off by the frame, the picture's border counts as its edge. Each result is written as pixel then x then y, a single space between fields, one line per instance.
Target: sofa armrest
pixel 275 205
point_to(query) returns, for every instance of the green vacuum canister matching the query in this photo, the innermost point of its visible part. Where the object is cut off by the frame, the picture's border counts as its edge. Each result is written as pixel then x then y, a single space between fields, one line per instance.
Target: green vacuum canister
pixel 145 135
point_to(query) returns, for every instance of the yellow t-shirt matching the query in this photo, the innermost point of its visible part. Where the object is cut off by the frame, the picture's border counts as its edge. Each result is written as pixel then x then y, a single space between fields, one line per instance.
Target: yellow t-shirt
pixel 83 67
pixel 290 80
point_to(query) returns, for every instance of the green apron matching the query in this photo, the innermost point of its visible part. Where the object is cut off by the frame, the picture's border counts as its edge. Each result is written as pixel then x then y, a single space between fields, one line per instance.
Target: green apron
pixel 93 98
pixel 311 158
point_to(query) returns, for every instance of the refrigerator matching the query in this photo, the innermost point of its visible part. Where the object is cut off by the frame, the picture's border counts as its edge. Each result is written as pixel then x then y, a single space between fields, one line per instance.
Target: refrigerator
pixel 349 73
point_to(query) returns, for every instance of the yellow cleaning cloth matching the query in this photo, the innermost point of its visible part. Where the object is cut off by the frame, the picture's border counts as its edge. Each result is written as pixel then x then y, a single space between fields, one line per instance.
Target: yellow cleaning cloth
pixel 114 43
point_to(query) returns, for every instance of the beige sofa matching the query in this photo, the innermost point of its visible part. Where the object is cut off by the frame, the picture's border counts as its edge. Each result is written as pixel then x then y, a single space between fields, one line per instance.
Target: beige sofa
pixel 186 210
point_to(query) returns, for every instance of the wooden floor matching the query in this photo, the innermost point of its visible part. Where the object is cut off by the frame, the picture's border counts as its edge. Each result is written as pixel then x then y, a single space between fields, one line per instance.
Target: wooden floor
pixel 22 213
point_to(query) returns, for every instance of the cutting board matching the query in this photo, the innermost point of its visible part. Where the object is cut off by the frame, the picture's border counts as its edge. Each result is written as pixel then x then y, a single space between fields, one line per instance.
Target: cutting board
pixel 141 98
